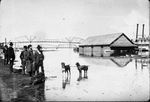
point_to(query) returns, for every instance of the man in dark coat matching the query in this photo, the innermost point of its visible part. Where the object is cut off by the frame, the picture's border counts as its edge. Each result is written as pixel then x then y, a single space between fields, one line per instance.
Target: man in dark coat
pixel 11 56
pixel 39 58
pixel 29 61
pixel 23 56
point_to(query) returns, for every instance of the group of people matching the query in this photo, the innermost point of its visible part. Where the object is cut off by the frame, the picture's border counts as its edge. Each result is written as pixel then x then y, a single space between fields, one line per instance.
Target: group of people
pixel 31 60
pixel 9 56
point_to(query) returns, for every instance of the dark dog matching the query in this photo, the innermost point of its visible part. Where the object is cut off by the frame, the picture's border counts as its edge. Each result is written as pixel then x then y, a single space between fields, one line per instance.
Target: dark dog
pixel 82 67
pixel 66 68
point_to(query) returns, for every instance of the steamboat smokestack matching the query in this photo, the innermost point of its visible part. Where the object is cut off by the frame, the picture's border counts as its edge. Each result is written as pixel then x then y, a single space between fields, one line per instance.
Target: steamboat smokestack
pixel 137 32
pixel 143 32
pixel 5 41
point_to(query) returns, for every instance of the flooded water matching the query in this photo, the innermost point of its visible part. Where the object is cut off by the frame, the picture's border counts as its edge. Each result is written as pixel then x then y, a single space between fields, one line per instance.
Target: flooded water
pixel 109 79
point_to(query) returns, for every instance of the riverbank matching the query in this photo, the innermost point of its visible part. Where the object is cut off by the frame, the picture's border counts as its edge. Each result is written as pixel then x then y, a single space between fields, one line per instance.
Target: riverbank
pixel 16 87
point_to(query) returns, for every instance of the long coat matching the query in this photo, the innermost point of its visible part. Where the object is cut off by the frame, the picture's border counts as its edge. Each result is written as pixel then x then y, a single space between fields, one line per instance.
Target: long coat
pixel 11 54
pixel 39 57
pixel 29 61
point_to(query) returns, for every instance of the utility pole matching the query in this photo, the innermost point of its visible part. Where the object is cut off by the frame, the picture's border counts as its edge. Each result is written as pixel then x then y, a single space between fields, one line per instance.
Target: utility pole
pixel 149 41
pixel 149 28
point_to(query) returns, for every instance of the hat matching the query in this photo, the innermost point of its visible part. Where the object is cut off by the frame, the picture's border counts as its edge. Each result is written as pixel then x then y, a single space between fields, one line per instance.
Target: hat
pixel 6 46
pixel 25 47
pixel 29 45
pixel 39 47
pixel 10 43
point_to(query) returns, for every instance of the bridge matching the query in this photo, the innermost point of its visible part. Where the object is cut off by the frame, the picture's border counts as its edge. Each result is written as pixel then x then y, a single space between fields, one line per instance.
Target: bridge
pixel 47 41
pixel 68 42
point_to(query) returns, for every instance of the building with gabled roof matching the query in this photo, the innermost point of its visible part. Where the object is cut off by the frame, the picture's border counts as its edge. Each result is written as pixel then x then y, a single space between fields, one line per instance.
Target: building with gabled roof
pixel 106 45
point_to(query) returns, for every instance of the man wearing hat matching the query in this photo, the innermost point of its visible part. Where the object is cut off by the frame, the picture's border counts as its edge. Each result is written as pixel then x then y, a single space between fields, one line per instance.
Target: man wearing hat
pixel 11 56
pixel 29 61
pixel 23 56
pixel 39 57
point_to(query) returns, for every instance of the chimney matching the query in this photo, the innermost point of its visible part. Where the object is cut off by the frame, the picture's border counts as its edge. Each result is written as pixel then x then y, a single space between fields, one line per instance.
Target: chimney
pixel 137 32
pixel 143 32
pixel 5 41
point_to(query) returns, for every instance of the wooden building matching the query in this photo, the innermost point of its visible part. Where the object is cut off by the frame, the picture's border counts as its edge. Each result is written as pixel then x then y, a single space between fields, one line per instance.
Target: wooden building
pixel 107 45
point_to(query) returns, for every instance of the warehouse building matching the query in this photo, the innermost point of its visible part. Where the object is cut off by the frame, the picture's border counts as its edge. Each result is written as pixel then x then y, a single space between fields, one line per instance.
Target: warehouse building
pixel 107 45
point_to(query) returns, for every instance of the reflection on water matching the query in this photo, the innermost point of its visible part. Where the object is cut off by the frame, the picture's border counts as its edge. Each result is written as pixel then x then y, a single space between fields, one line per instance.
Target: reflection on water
pixel 143 62
pixel 65 80
pixel 121 62
pixel 116 77
pixel 109 79
pixel 81 78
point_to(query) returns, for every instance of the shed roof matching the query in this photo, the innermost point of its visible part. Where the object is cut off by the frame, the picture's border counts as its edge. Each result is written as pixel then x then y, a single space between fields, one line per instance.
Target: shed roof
pixel 103 39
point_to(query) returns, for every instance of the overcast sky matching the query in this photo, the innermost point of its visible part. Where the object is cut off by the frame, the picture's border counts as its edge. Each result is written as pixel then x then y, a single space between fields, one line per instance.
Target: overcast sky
pixel 53 19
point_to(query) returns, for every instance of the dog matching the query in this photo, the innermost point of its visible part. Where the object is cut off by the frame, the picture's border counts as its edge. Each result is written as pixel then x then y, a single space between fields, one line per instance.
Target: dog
pixel 66 68
pixel 82 67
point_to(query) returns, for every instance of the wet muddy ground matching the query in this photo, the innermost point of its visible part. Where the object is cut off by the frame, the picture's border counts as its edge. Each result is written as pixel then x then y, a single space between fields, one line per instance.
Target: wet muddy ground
pixel 17 88
pixel 109 79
